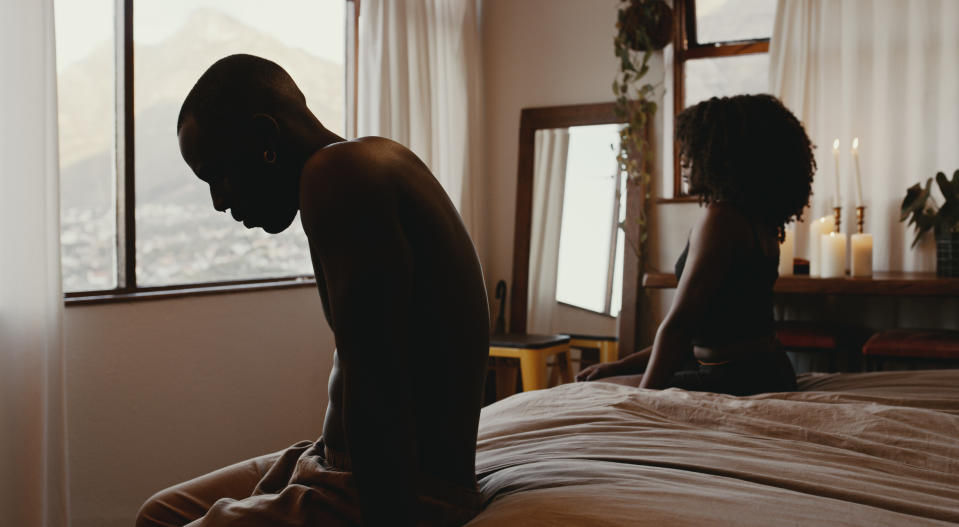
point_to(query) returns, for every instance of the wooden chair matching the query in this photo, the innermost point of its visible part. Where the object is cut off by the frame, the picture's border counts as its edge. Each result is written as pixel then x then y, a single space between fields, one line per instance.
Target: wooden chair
pixel 533 352
pixel 941 345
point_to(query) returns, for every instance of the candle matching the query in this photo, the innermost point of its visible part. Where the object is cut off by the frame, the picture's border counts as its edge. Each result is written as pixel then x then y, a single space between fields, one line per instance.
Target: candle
pixel 787 250
pixel 817 228
pixel 855 160
pixel 835 155
pixel 861 249
pixel 832 255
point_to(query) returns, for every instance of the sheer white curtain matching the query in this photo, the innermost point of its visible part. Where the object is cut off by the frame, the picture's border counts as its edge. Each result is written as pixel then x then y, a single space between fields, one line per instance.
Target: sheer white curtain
pixel 33 484
pixel 549 179
pixel 420 85
pixel 886 71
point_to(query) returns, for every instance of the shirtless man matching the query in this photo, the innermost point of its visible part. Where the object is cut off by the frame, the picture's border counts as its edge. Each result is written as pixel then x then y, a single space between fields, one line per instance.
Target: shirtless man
pixel 402 290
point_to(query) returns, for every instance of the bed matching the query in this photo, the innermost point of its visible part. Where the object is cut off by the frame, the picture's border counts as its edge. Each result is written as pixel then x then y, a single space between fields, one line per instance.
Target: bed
pixel 847 449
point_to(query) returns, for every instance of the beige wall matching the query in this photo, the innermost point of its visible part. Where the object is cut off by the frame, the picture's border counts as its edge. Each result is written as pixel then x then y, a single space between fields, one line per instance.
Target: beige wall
pixel 162 391
pixel 547 53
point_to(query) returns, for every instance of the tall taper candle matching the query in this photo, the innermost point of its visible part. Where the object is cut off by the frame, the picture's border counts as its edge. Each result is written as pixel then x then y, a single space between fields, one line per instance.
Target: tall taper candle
pixel 855 160
pixel 835 155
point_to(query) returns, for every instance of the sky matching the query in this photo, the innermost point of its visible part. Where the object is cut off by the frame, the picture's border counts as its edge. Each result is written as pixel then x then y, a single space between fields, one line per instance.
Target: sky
pixel 316 26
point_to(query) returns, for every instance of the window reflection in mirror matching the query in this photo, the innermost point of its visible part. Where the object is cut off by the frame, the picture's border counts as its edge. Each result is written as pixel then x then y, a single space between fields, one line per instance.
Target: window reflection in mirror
pixel 576 252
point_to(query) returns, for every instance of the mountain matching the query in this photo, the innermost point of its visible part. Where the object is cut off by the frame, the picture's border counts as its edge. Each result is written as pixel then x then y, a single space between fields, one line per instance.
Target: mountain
pixel 164 73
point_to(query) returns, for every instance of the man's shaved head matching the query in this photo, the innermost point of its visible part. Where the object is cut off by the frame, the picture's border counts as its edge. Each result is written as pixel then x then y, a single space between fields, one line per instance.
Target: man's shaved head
pixel 239 86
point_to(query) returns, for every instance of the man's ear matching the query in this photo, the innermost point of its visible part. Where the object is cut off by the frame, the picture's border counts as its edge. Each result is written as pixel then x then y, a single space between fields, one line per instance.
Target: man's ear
pixel 266 130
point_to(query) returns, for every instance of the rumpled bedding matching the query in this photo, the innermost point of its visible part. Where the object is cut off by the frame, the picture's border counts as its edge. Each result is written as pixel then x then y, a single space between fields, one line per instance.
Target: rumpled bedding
pixel 847 449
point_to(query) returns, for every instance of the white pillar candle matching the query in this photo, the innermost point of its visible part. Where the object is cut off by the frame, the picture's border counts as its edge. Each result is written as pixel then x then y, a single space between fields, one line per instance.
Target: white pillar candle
pixel 835 155
pixel 855 161
pixel 818 227
pixel 861 249
pixel 787 249
pixel 832 255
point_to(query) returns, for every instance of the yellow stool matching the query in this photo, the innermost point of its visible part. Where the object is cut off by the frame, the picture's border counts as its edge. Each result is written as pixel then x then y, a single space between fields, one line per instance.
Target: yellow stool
pixel 532 352
pixel 608 346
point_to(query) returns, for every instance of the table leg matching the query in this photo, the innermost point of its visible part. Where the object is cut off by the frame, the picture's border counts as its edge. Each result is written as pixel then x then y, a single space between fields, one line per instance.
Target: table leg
pixel 532 367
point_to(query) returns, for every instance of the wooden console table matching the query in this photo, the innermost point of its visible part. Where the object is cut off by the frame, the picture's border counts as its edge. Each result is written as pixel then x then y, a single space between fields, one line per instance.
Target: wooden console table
pixel 880 284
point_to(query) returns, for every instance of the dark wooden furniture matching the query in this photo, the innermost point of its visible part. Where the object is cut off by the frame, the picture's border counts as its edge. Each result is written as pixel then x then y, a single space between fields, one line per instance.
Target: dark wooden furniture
pixel 936 344
pixel 880 284
pixel 532 119
pixel 832 339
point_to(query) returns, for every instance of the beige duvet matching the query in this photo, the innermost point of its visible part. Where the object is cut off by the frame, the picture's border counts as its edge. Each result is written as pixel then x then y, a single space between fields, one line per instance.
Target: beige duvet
pixel 854 449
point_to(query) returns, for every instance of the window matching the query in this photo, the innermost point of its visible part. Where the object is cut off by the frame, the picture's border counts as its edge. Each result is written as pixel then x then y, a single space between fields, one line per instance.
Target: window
pixel 590 266
pixel 721 48
pixel 133 216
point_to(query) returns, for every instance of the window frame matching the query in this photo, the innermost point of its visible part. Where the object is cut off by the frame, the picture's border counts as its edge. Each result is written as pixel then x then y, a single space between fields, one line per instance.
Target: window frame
pixel 687 47
pixel 126 288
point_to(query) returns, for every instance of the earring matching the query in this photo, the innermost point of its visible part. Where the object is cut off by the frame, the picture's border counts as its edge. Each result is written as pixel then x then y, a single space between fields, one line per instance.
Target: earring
pixel 269 156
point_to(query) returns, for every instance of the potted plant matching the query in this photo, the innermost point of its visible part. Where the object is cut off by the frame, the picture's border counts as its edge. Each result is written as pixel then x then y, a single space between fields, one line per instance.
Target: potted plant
pixel 923 212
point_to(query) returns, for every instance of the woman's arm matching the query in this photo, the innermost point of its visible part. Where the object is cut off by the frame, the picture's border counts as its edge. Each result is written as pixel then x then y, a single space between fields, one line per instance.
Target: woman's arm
pixel 631 364
pixel 712 245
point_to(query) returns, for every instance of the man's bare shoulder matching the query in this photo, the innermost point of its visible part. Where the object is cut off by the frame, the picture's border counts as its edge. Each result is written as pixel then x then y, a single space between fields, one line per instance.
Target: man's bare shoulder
pixel 361 156
pixel 341 177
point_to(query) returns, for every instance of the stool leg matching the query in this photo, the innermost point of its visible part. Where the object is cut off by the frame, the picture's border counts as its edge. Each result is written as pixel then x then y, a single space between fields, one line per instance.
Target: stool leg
pixel 533 369
pixel 554 372
pixel 505 378
pixel 608 352
pixel 568 372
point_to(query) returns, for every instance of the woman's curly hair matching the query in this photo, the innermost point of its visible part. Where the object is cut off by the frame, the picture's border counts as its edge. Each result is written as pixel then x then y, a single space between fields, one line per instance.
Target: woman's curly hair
pixel 750 151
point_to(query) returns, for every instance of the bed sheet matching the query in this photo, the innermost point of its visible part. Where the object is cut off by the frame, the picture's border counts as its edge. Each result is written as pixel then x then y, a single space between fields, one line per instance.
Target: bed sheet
pixel 848 449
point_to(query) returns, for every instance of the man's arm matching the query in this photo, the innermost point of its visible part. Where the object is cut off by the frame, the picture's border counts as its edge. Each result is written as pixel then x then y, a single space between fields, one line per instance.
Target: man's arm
pixel 352 222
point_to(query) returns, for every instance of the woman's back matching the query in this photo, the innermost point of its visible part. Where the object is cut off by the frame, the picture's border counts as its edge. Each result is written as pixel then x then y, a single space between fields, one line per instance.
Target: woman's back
pixel 741 309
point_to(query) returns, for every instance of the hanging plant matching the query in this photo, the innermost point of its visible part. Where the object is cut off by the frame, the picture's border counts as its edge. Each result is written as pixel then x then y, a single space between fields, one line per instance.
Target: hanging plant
pixel 642 26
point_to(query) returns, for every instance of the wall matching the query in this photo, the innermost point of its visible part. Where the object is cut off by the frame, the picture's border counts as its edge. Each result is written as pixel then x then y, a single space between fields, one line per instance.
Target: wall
pixel 161 391
pixel 547 53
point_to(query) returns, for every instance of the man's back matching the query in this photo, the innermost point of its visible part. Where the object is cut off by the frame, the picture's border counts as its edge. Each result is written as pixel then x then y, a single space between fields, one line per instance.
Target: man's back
pixel 403 291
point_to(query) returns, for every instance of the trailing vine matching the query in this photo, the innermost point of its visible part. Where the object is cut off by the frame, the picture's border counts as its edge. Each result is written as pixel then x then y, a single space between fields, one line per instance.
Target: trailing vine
pixel 642 26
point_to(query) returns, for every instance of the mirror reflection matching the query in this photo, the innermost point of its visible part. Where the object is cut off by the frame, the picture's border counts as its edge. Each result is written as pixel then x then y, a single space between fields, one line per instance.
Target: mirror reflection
pixel 576 245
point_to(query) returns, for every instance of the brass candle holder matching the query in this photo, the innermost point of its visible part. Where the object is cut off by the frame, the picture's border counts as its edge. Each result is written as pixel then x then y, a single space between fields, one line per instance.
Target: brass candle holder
pixel 860 218
pixel 837 212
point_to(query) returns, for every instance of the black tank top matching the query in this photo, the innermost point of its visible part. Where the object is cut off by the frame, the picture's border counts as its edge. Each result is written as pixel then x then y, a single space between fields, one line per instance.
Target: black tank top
pixel 742 307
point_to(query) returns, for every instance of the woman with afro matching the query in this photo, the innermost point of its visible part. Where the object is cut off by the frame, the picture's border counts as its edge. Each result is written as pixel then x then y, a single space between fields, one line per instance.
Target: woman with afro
pixel 750 162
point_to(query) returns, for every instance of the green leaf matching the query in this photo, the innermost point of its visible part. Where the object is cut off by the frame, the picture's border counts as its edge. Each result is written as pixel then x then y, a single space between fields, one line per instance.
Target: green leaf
pixel 948 217
pixel 915 200
pixel 949 190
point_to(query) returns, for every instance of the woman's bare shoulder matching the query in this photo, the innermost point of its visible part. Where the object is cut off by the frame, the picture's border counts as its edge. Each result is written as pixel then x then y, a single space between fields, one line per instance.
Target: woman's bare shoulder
pixel 723 222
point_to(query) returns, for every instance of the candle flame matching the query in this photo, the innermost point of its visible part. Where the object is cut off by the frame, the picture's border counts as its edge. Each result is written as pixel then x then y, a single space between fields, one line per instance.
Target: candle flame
pixel 835 145
pixel 855 143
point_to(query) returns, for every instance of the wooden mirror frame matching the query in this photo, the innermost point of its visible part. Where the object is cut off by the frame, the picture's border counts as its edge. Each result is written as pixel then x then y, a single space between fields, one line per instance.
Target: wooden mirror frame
pixel 532 119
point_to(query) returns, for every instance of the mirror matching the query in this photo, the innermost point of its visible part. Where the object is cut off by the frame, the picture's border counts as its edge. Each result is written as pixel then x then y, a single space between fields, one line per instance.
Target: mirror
pixel 567 247
pixel 576 245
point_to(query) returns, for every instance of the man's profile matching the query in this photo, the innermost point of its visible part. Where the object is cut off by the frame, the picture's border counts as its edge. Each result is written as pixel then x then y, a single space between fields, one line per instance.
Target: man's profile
pixel 402 290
